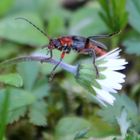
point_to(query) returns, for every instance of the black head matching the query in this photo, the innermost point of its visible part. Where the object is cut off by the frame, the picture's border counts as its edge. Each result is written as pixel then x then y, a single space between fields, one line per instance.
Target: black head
pixel 54 43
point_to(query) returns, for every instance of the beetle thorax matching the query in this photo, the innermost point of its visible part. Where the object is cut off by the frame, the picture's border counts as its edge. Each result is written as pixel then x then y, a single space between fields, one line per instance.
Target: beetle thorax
pixel 66 41
pixel 62 44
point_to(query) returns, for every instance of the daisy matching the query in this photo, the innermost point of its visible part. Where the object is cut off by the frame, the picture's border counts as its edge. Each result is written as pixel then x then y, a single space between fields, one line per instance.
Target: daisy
pixel 110 78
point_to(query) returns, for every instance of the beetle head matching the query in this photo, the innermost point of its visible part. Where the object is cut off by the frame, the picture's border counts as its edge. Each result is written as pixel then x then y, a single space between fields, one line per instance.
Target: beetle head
pixel 54 43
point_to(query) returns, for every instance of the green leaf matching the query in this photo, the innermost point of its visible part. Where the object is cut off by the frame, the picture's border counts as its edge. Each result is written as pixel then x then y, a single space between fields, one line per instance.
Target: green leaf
pixel 19 100
pixel 68 127
pixel 29 72
pixel 46 8
pixel 13 79
pixel 87 22
pixel 133 8
pixel 56 26
pixel 114 14
pixel 38 113
pixel 25 5
pixel 123 122
pixel 132 44
pixel 5 6
pixel 41 91
pixel 110 113
pixel 76 127
pixel 14 115
pixel 8 49
pixel 22 32
pixel 132 135
pixel 101 128
pixel 81 134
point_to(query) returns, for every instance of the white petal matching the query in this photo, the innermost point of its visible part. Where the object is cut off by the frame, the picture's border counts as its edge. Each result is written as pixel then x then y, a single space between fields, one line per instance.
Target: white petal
pixel 108 88
pixel 110 55
pixel 99 100
pixel 104 96
pixel 107 83
pixel 115 68
pixel 114 62
pixel 113 74
pixel 113 79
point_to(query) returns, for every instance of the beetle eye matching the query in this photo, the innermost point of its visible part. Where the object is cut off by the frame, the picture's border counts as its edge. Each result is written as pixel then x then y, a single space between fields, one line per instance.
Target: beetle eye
pixel 49 46
pixel 56 42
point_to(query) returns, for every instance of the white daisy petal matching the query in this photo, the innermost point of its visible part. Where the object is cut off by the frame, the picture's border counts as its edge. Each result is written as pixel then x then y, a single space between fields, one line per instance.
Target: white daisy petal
pixel 99 100
pixel 114 62
pixel 107 83
pixel 116 68
pixel 104 96
pixel 108 88
pixel 112 74
pixel 110 55
pixel 113 79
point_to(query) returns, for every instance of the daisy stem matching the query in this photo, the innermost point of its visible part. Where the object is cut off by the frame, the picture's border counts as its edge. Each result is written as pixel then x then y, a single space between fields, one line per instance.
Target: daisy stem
pixel 43 59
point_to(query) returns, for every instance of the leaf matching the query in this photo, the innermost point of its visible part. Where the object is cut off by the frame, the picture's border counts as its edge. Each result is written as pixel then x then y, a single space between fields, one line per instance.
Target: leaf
pixel 19 100
pixel 15 114
pixel 5 6
pixel 101 128
pixel 38 113
pixel 68 127
pixel 13 79
pixel 56 25
pixel 81 134
pixel 110 113
pixel 29 72
pixel 132 44
pixel 86 22
pixel 41 91
pixel 114 14
pixel 25 5
pixel 132 135
pixel 46 8
pixel 22 32
pixel 8 49
pixel 123 122
pixel 133 8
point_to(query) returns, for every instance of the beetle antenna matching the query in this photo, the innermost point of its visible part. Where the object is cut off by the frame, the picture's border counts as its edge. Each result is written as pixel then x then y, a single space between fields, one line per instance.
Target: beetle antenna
pixel 34 26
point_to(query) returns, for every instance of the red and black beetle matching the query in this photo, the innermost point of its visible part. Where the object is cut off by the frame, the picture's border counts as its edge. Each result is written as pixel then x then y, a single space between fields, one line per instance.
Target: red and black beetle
pixel 82 45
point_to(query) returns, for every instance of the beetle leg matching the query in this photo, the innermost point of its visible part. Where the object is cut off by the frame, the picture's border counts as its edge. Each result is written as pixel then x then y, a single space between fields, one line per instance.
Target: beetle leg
pixel 92 52
pixel 53 70
pixel 48 51
pixel 51 54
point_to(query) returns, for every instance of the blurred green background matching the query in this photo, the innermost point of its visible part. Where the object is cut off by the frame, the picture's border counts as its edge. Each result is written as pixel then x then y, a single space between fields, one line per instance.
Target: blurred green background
pixel 35 109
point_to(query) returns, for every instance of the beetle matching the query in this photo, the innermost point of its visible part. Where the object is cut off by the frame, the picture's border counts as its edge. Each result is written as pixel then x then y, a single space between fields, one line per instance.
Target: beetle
pixel 80 44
